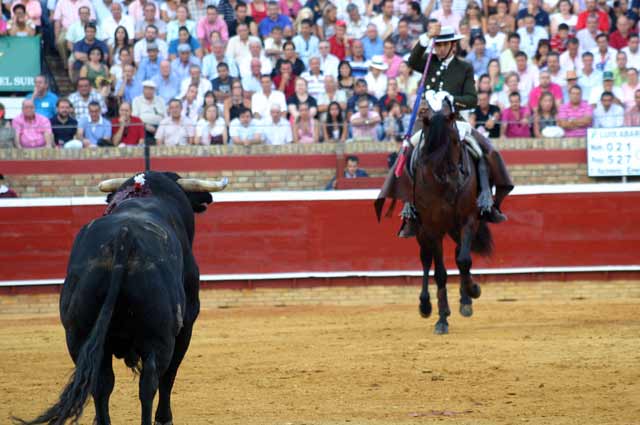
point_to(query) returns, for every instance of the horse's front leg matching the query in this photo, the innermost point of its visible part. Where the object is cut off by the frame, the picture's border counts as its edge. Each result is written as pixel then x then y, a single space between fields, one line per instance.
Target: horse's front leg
pixel 425 301
pixel 468 288
pixel 442 326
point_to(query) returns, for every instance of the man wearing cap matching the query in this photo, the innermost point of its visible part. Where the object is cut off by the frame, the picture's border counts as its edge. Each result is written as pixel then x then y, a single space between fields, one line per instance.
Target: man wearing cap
pixel 448 73
pixel 180 66
pixel 149 108
pixel 607 86
pixel 149 66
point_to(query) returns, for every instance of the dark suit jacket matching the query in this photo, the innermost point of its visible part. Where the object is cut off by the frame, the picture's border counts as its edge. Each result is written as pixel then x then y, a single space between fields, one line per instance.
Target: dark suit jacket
pixel 457 78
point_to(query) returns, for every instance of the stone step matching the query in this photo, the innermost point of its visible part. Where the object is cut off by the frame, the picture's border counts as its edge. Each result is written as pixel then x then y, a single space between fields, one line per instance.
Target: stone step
pixel 56 68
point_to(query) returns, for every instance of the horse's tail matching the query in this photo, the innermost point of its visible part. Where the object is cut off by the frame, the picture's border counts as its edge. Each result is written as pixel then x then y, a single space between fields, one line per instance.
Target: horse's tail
pixel 483 241
pixel 85 376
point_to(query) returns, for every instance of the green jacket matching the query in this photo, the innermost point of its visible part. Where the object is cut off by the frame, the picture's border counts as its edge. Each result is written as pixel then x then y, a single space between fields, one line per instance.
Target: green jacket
pixel 457 79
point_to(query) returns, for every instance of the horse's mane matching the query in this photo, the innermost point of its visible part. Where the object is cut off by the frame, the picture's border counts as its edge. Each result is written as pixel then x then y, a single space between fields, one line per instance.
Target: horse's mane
pixel 437 144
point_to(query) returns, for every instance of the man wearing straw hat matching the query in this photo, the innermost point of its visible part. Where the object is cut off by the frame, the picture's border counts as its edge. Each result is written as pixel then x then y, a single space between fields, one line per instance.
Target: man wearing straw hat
pixel 448 73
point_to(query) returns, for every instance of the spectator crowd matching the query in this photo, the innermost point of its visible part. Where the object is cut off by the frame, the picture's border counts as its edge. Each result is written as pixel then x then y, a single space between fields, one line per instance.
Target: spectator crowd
pixel 178 72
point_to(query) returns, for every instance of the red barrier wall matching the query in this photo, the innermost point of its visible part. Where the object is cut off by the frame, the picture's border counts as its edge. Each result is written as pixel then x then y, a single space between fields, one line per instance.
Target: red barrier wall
pixel 550 230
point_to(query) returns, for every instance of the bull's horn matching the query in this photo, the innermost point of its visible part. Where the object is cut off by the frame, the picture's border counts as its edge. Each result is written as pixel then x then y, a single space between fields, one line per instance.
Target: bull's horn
pixel 197 185
pixel 111 185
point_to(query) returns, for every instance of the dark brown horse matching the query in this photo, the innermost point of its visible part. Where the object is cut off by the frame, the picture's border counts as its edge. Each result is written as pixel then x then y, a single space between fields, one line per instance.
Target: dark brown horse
pixel 445 193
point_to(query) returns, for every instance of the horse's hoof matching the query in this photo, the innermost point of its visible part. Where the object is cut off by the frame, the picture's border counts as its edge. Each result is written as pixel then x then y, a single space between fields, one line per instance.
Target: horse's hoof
pixel 163 423
pixel 466 310
pixel 441 329
pixel 425 309
pixel 474 290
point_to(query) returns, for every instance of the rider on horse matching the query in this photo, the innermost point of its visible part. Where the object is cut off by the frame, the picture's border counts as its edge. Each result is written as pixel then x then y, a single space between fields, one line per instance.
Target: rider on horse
pixel 448 73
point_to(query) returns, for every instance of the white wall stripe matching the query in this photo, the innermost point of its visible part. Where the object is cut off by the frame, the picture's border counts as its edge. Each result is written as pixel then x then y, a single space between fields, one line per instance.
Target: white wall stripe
pixel 337 195
pixel 373 274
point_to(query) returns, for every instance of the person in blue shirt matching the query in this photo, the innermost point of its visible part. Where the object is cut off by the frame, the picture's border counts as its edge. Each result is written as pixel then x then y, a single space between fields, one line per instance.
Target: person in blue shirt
pixel 306 43
pixel 184 37
pixel 274 19
pixel 81 48
pixel 180 66
pixel 149 65
pixel 43 99
pixel 372 43
pixel 94 130
pixel 129 87
pixel 167 84
pixel 480 56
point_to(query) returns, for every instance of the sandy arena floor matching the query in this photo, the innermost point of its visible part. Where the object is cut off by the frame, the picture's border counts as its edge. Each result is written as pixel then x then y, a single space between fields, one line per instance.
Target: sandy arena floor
pixel 514 362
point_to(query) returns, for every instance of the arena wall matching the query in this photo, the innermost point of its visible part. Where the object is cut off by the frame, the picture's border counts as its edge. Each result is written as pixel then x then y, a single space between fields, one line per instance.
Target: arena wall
pixel 59 172
pixel 314 239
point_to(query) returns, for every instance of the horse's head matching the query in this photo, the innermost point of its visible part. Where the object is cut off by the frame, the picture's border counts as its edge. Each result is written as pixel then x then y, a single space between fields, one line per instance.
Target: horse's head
pixel 441 147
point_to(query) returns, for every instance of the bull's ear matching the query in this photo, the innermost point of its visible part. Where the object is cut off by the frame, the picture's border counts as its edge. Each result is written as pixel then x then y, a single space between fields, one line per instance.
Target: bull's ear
pixel 199 201
pixel 110 197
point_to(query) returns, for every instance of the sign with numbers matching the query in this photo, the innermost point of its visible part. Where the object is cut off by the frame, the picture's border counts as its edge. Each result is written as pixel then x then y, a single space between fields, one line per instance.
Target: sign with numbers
pixel 613 151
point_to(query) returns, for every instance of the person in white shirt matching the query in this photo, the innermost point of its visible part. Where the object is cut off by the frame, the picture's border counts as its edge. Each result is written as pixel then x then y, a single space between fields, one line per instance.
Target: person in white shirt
pixel 263 101
pixel 314 77
pixel 632 51
pixel 255 52
pixel 589 78
pixel 175 130
pixel 117 19
pixel 529 75
pixel 345 6
pixel 495 38
pixel 608 114
pixel 530 35
pixel 195 78
pixel 386 22
pixel 150 36
pixel 328 63
pixel 508 56
pixel 211 128
pixel 238 45
pixel 446 15
pixel 571 60
pixel 210 62
pixel 356 22
pixel 277 130
pixel 606 86
pixel 376 78
pixel 604 56
pixel 587 36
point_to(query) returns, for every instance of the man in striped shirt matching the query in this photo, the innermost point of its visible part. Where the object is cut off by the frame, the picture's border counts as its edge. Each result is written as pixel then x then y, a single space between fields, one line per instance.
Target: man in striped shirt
pixel 575 116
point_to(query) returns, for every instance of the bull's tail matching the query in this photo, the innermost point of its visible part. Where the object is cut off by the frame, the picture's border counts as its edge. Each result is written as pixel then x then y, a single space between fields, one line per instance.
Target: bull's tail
pixel 483 241
pixel 85 376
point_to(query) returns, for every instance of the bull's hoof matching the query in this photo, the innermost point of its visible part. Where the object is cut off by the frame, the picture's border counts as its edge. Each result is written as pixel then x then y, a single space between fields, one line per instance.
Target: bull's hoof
pixel 425 309
pixel 163 423
pixel 442 328
pixel 473 290
pixel 466 310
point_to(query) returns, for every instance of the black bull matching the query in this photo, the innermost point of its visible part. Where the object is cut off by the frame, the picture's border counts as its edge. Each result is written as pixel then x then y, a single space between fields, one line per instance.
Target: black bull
pixel 131 291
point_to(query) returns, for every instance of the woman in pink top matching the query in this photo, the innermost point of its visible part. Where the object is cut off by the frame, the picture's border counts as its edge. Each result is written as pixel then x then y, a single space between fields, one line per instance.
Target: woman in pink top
pixel 305 127
pixel 516 120
pixel 34 10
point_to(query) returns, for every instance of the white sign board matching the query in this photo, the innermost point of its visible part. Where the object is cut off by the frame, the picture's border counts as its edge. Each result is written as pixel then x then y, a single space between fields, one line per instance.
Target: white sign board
pixel 613 151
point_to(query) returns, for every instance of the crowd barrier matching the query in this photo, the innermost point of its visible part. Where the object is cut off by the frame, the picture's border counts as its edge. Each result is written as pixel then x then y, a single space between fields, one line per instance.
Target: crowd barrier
pixel 259 238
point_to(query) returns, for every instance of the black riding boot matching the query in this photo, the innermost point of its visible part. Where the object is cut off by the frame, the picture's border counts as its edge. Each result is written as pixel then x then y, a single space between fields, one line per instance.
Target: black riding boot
pixel 409 226
pixel 488 210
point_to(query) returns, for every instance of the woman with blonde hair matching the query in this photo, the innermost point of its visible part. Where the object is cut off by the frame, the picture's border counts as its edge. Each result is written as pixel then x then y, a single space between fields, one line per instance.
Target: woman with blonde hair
pixel 327 24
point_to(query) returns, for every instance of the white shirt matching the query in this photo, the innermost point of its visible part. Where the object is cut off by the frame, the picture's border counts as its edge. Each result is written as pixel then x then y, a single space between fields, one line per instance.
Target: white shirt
pixel 210 66
pixel 596 93
pixel 587 41
pixel 244 65
pixel 528 79
pixel 567 63
pixel 204 130
pixel 140 49
pixel 277 134
pixel 529 41
pixel 315 83
pixel 261 104
pixel 377 86
pixel 238 49
pixel 633 59
pixel 382 26
pixel 329 65
pixel 604 62
pixel 203 87
pixel 588 82
pixel 612 118
pixel 342 8
pixel 496 42
pixel 357 30
pixel 109 25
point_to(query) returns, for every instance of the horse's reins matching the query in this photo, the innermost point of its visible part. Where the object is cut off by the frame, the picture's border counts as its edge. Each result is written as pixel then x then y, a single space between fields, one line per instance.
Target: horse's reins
pixel 402 158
